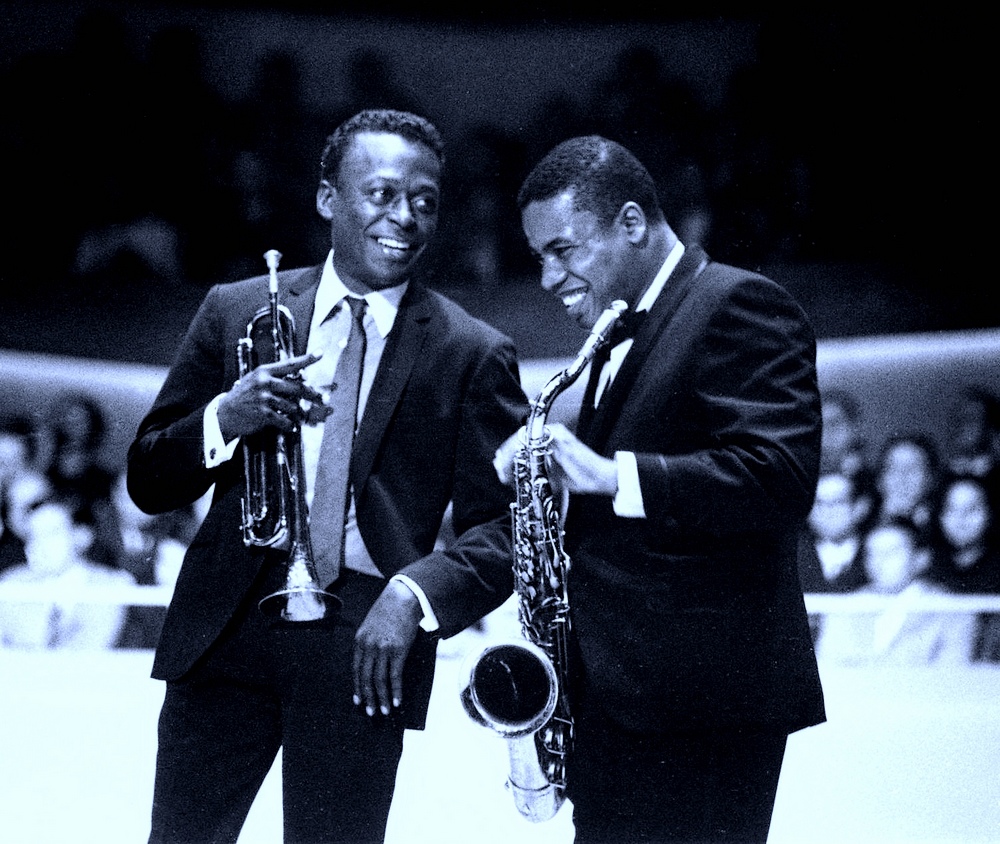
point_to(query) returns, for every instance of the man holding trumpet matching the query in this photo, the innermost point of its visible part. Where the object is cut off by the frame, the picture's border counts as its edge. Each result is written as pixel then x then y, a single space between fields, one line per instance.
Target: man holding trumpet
pixel 437 392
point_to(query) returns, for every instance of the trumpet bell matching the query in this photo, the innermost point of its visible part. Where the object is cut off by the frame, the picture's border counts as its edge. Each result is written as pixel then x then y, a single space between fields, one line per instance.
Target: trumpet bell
pixel 301 598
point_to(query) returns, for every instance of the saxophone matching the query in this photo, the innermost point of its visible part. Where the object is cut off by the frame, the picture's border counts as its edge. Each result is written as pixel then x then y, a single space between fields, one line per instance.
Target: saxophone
pixel 519 688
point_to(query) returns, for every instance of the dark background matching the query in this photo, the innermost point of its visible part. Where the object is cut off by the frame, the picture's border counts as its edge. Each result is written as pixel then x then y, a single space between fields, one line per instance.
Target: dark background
pixel 150 150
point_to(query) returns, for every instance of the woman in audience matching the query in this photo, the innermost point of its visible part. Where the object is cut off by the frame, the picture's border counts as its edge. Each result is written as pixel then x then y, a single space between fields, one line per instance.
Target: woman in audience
pixel 906 479
pixel 77 471
pixel 898 632
pixel 966 558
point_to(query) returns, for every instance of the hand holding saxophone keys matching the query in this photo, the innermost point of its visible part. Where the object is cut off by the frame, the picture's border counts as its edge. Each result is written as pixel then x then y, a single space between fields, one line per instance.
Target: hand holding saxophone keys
pixel 580 468
pixel 270 396
pixel 573 466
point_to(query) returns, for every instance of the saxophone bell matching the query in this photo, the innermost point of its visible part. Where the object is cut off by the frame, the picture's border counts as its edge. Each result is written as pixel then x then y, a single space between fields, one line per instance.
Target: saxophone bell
pixel 512 688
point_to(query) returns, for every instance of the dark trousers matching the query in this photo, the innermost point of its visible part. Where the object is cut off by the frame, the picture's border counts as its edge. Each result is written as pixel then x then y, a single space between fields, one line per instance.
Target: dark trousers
pixel 694 787
pixel 262 688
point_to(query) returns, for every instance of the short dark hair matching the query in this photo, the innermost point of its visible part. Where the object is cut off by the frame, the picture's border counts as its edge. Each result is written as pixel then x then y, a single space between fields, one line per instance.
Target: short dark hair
pixel 601 174
pixel 410 126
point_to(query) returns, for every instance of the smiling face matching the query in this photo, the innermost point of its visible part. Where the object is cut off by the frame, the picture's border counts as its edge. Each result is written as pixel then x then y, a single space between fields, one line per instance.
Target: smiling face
pixel 383 209
pixel 585 264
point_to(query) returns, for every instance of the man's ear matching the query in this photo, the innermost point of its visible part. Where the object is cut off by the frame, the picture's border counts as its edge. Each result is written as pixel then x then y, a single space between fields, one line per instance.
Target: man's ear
pixel 325 195
pixel 632 219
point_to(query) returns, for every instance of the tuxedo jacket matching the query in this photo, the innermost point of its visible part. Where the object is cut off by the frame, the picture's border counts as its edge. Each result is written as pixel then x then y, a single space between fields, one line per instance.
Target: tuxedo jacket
pixel 693 617
pixel 445 395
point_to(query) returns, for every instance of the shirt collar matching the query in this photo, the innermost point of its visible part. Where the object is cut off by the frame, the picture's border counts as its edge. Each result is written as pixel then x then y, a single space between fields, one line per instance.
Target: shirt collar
pixel 669 265
pixel 383 305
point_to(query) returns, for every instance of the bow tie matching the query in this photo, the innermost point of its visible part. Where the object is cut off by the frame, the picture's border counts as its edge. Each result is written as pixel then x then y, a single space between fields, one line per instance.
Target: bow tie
pixel 626 327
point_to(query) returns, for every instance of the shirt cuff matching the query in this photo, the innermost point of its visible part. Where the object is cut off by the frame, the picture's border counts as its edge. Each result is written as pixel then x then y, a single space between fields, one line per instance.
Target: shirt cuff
pixel 429 622
pixel 217 450
pixel 628 502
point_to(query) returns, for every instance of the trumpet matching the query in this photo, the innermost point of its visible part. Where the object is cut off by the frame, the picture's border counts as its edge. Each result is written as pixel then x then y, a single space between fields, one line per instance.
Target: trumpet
pixel 274 510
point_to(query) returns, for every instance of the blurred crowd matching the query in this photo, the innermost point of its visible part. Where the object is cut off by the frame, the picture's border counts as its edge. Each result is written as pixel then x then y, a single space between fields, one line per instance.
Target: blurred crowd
pixel 68 528
pixel 899 521
pixel 915 520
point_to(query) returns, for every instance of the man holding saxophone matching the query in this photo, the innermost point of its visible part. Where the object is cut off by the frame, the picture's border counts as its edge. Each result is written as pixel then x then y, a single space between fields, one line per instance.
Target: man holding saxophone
pixel 690 473
pixel 436 393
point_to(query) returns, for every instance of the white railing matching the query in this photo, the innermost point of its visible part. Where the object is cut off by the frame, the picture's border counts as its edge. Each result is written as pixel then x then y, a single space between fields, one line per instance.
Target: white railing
pixel 820 603
pixel 126 596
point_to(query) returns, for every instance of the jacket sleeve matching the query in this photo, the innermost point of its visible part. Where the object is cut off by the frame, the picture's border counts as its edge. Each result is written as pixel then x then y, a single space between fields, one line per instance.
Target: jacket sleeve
pixel 166 466
pixel 751 453
pixel 473 574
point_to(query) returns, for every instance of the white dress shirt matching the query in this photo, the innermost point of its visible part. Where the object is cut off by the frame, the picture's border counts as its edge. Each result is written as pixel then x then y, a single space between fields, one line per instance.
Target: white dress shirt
pixel 628 501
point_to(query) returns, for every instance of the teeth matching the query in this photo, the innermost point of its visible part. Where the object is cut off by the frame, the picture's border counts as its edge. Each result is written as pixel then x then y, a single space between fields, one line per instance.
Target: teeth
pixel 571 299
pixel 393 244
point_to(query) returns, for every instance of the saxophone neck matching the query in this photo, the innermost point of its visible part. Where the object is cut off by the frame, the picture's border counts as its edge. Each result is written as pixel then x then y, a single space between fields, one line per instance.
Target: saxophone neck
pixel 598 337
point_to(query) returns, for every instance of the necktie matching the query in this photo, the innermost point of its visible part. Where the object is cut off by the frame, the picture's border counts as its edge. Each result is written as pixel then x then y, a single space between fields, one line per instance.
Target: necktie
pixel 330 500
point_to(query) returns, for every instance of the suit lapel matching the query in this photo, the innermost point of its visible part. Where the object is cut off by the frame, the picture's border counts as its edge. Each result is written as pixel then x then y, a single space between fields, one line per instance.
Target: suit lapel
pixel 680 283
pixel 402 350
pixel 302 287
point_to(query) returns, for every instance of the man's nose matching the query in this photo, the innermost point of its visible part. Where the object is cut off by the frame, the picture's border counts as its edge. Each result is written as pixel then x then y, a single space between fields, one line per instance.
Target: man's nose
pixel 553 273
pixel 402 212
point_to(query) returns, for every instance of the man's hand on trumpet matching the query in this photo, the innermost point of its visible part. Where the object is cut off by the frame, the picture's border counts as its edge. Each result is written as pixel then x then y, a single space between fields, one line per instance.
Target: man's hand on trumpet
pixel 269 397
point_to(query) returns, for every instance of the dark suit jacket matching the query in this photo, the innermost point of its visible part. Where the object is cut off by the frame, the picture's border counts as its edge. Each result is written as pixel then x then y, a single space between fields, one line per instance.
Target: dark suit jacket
pixel 693 616
pixel 446 394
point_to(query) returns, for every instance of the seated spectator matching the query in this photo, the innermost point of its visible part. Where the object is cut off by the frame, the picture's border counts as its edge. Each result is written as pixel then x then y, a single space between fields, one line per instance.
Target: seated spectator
pixel 831 558
pixel 842 449
pixel 830 549
pixel 78 472
pixel 19 494
pixel 56 548
pixel 899 634
pixel 966 558
pixel 973 427
pixel 153 549
pixel 15 448
pixel 906 479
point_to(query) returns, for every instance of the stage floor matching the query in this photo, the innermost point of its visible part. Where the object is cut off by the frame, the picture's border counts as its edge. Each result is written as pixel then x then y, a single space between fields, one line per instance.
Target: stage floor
pixel 909 756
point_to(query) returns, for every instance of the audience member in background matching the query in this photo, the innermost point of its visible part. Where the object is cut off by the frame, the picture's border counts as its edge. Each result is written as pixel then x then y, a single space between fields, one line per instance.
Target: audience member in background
pixel 900 633
pixel 832 559
pixel 15 447
pixel 966 558
pixel 842 449
pixel 153 549
pixel 76 427
pixel 970 446
pixel 906 478
pixel 830 550
pixel 56 547
pixel 14 458
pixel 18 495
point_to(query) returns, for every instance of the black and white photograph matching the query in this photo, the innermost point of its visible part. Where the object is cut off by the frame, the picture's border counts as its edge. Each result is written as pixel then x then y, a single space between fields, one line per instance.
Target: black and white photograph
pixel 440 424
